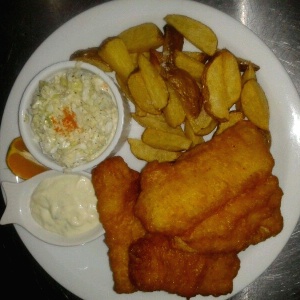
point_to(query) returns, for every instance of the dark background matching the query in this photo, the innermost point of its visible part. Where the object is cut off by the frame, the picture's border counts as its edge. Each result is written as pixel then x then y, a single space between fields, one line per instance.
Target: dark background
pixel 23 27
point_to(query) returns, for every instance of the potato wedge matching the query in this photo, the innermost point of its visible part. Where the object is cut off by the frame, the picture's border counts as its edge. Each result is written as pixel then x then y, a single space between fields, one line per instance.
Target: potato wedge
pixel 114 52
pixel 204 124
pixel 248 74
pixel 173 41
pixel 155 84
pixel 190 134
pixel 144 152
pixel 142 37
pixel 199 34
pixel 157 122
pixel 164 140
pixel 139 93
pixel 221 84
pixel 255 104
pixel 244 63
pixel 189 64
pixel 234 117
pixel 199 56
pixel 186 86
pixel 174 112
pixel 91 56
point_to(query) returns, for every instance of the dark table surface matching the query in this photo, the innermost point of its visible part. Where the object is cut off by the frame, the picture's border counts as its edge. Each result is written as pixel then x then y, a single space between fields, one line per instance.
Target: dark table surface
pixel 23 27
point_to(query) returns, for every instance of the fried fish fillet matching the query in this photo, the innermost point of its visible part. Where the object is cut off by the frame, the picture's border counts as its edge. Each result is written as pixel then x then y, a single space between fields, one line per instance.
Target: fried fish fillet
pixel 117 187
pixel 154 264
pixel 177 196
pixel 247 219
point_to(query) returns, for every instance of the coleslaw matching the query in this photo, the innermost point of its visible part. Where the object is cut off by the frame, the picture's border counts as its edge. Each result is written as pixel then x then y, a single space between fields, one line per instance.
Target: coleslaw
pixel 73 116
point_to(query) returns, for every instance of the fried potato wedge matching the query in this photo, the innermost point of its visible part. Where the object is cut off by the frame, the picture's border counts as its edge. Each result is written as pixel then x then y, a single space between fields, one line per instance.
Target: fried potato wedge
pixel 91 56
pixel 189 64
pixel 255 104
pixel 234 117
pixel 144 152
pixel 142 37
pixel 190 134
pixel 173 41
pixel 155 84
pixel 186 86
pixel 199 56
pixel 139 93
pixel 244 63
pixel 199 34
pixel 114 52
pixel 221 84
pixel 248 74
pixel 164 140
pixel 204 124
pixel 174 112
pixel 157 122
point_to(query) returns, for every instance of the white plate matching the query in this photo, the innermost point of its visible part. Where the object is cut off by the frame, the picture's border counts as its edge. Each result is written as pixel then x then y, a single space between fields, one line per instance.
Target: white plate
pixel 84 270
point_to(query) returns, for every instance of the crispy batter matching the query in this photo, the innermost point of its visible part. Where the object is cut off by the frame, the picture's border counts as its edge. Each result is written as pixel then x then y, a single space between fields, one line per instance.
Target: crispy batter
pixel 154 264
pixel 247 219
pixel 117 188
pixel 175 197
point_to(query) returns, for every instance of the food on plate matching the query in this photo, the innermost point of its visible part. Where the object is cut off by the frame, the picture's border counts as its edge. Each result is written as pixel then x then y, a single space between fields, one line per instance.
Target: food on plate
pixel 234 117
pixel 204 124
pixel 191 135
pixel 160 139
pixel 186 86
pixel 142 37
pixel 140 95
pixel 202 180
pixel 21 162
pixel 147 153
pixel 254 104
pixel 249 73
pixel 221 84
pixel 182 225
pixel 195 88
pixel 247 219
pixel 157 122
pixel 195 32
pixel 200 199
pixel 91 56
pixel 117 188
pixel 114 52
pixel 156 264
pixel 73 116
pixel 174 113
pixel 186 62
pixel 65 204
pixel 155 84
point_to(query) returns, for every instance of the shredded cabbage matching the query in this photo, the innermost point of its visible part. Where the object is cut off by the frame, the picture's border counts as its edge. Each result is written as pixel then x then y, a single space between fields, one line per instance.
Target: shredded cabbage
pixel 74 117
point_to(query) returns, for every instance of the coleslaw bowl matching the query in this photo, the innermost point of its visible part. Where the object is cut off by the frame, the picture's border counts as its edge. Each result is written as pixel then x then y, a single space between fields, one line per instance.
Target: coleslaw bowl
pixel 72 116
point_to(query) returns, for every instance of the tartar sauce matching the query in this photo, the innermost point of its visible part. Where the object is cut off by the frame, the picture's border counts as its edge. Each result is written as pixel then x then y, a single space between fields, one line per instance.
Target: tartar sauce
pixel 73 116
pixel 65 204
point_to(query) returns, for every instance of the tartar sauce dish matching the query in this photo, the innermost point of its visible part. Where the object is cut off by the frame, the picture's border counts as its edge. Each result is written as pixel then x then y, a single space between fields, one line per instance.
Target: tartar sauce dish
pixel 58 208
pixel 72 116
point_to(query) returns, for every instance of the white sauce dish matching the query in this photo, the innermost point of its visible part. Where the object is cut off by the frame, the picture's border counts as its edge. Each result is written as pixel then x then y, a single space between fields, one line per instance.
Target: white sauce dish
pixel 58 208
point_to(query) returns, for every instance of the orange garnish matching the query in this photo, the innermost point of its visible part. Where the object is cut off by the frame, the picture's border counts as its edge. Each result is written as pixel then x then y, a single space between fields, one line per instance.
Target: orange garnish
pixel 21 162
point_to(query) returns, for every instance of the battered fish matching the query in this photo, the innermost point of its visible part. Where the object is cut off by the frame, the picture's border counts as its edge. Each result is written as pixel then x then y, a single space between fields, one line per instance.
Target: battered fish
pixel 117 188
pixel 175 197
pixel 155 265
pixel 241 222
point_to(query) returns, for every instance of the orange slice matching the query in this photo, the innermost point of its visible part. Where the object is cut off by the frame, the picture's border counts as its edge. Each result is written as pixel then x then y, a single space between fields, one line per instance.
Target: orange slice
pixel 21 162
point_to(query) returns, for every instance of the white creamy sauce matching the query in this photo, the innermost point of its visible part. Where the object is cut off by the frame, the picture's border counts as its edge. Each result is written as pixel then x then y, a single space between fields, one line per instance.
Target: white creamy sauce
pixel 65 204
pixel 73 116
